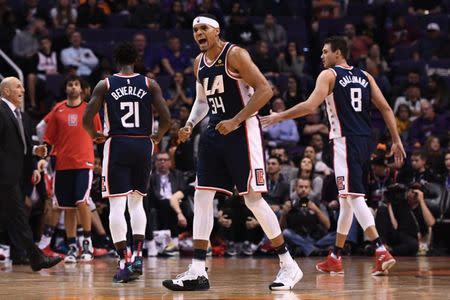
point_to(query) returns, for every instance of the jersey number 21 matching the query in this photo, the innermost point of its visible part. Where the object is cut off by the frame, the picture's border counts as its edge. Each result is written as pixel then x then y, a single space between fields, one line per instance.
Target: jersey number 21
pixel 132 109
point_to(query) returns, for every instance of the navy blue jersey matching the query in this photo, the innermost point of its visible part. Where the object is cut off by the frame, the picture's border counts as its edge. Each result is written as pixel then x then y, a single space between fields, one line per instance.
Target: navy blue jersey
pixel 226 92
pixel 128 106
pixel 348 106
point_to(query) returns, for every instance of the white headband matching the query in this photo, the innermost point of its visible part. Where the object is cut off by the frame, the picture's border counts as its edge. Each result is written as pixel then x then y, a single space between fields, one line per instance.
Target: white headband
pixel 205 20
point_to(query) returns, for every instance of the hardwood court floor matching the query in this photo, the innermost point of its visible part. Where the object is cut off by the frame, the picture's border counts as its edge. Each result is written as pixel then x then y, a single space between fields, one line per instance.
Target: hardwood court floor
pixel 231 278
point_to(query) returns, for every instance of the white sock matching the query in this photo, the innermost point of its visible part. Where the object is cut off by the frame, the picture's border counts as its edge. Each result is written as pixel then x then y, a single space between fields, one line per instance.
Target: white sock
pixel 122 264
pixel 175 241
pixel 381 248
pixel 45 241
pixel 286 258
pixel 333 255
pixel 198 266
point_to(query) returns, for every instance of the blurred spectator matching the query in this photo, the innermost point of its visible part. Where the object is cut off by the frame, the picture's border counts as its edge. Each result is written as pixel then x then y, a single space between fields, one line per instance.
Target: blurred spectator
pixel 435 157
pixel 317 142
pixel 403 222
pixel 401 33
pixel 370 29
pixel 284 133
pixel 293 94
pixel 29 12
pixel 241 31
pixel 438 93
pixel 326 9
pixel 375 57
pixel 320 168
pixel 4 10
pixel 7 31
pixel 238 225
pixel 402 118
pixel 61 42
pixel 412 98
pixel 382 81
pixel 147 15
pixel 102 71
pixel 63 13
pixel 210 7
pixel 420 7
pixel 313 124
pixel 80 58
pixel 178 93
pixel 288 169
pixel 45 62
pixel 147 62
pixel 447 166
pixel 306 171
pixel 273 33
pixel 358 45
pixel 91 15
pixel 380 177
pixel 264 60
pixel 177 18
pixel 290 61
pixel 432 44
pixel 418 172
pixel 26 44
pixel 304 223
pixel 175 59
pixel 429 123
pixel 277 186
pixel 167 192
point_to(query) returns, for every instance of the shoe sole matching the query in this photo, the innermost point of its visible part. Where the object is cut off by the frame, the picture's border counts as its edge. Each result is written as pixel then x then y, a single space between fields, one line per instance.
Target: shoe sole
pixel 169 285
pixel 329 272
pixel 298 277
pixel 385 267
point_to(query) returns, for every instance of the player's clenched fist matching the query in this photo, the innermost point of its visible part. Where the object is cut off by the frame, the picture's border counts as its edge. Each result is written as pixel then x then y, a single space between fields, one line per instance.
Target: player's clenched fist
pixel 184 133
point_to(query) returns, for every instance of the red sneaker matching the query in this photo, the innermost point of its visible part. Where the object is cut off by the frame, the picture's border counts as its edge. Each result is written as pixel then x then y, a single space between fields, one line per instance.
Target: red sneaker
pixel 331 265
pixel 383 262
pixel 100 252
pixel 49 252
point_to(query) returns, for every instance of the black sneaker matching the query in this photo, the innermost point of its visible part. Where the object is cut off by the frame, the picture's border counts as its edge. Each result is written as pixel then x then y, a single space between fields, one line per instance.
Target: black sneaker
pixel 231 249
pixel 188 281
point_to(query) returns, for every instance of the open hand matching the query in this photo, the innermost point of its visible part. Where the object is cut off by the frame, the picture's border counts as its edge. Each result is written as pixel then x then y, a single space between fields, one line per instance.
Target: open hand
pixel 269 120
pixel 399 154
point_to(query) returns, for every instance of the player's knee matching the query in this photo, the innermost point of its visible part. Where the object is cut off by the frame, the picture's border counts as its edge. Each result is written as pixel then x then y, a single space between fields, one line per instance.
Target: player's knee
pixel 251 199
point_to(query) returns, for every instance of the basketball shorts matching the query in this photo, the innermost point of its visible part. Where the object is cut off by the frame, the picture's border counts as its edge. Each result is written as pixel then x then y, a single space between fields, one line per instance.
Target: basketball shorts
pixel 351 157
pixel 71 187
pixel 126 166
pixel 233 160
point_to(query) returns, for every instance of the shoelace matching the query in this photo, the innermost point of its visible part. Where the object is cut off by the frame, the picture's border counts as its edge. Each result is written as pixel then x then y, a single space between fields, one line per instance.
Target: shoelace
pixel 72 251
pixel 283 275
pixel 86 247
pixel 188 272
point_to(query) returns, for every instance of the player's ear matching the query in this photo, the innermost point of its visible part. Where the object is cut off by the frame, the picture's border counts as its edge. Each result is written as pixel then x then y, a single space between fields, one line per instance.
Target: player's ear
pixel 218 31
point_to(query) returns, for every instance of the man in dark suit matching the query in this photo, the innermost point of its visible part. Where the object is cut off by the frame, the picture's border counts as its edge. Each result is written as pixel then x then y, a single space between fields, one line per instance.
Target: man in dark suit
pixel 167 190
pixel 15 156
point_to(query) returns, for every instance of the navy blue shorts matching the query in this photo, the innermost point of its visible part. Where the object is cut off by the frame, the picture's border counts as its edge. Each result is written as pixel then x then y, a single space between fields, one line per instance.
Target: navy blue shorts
pixel 126 165
pixel 351 157
pixel 233 160
pixel 71 187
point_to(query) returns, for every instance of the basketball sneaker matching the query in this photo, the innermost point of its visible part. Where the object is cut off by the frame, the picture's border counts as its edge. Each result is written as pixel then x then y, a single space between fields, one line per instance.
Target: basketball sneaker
pixel 97 252
pixel 49 252
pixel 137 266
pixel 124 275
pixel 188 281
pixel 87 251
pixel 287 277
pixel 331 265
pixel 383 262
pixel 72 254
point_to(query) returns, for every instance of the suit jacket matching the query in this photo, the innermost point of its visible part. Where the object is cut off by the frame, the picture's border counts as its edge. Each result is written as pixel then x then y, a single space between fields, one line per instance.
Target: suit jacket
pixel 176 180
pixel 12 159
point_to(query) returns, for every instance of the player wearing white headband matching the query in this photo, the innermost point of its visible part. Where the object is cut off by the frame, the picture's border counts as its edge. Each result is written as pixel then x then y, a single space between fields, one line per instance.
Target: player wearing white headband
pixel 230 90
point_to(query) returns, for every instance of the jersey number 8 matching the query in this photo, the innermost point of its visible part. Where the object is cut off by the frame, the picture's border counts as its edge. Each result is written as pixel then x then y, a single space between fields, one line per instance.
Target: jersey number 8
pixel 133 109
pixel 356 95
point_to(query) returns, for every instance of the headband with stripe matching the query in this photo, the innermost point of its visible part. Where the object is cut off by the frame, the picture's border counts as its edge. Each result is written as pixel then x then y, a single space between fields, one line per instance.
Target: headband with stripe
pixel 205 20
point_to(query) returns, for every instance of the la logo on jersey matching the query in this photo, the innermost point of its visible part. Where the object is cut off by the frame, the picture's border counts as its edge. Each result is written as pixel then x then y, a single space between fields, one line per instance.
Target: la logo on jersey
pixel 260 177
pixel 73 119
pixel 216 87
pixel 340 183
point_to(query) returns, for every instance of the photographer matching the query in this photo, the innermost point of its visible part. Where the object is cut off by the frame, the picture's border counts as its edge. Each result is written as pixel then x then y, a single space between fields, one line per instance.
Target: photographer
pixel 304 223
pixel 405 219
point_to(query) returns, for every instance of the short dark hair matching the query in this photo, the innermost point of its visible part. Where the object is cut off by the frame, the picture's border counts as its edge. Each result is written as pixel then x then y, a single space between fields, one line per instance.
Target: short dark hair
pixel 337 43
pixel 276 158
pixel 72 78
pixel 419 153
pixel 125 54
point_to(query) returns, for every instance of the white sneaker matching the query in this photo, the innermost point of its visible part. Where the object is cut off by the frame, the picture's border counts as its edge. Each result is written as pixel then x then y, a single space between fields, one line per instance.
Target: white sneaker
pixel 151 248
pixel 287 277
pixel 72 254
pixel 87 252
pixel 188 281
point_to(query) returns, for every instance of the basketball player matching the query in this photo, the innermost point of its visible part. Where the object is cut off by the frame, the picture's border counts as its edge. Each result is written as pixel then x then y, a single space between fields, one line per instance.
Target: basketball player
pixel 127 98
pixel 231 90
pixel 74 164
pixel 348 92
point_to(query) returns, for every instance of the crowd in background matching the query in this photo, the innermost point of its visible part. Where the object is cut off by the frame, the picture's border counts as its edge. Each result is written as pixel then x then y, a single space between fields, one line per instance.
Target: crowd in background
pixel 404 45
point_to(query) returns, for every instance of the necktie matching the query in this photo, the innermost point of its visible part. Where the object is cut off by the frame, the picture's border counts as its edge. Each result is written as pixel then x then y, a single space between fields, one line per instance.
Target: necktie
pixel 22 132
